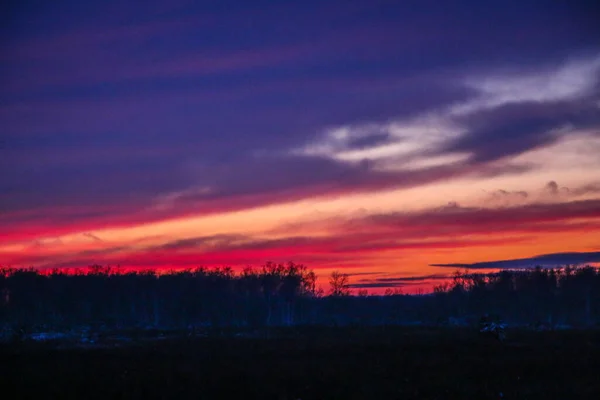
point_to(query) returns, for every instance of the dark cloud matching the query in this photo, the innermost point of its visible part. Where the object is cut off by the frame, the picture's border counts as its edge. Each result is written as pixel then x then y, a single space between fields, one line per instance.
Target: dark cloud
pixel 100 253
pixel 92 236
pixel 552 188
pixel 457 220
pixel 506 197
pixel 545 260
pixel 517 127
pixel 340 244
pixel 591 188
pixel 375 285
pixel 274 179
pixel 506 224
pixel 519 193
pixel 364 273
pixel 197 242
pixel 413 278
pixel 393 282
pixel 371 140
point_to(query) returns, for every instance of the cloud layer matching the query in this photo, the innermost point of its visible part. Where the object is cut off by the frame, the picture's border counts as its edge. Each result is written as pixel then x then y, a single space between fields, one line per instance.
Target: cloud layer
pixel 545 260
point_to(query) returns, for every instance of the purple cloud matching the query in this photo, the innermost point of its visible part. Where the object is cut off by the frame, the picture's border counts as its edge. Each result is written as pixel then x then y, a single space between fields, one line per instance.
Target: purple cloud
pixel 545 260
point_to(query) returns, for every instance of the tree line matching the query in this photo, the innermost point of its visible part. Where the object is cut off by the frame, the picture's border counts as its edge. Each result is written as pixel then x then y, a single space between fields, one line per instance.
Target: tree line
pixel 104 296
pixel 550 297
pixel 285 295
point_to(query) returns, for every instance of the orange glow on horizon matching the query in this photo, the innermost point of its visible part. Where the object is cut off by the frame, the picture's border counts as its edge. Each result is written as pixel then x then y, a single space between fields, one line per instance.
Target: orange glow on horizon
pixel 367 236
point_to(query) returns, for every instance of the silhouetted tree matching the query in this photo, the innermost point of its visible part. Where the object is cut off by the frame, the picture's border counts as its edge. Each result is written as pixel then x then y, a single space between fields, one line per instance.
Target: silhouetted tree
pixel 284 294
pixel 339 284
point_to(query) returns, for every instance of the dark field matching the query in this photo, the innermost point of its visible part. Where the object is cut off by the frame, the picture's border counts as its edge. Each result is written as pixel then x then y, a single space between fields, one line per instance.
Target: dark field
pixel 315 363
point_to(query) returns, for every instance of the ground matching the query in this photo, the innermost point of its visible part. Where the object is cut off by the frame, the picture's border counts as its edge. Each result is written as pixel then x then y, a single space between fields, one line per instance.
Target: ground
pixel 314 363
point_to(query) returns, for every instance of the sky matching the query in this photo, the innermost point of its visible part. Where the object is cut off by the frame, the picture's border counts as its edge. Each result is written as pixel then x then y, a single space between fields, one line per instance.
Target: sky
pixel 393 141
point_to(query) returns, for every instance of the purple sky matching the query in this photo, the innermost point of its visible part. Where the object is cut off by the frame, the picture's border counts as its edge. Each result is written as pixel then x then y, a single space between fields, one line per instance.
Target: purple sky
pixel 115 113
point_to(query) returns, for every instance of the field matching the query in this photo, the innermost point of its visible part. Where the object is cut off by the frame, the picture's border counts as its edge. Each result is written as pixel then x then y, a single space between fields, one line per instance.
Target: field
pixel 313 363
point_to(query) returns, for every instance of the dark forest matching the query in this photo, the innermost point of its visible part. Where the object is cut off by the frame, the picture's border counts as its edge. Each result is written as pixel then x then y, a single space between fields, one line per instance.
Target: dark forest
pixel 286 295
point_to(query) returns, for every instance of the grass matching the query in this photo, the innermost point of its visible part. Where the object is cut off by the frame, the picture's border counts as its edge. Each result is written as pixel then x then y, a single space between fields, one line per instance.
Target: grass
pixel 316 363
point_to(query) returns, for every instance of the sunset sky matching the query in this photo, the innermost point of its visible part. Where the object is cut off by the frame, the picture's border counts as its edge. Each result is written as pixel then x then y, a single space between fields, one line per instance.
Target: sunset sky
pixel 394 141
